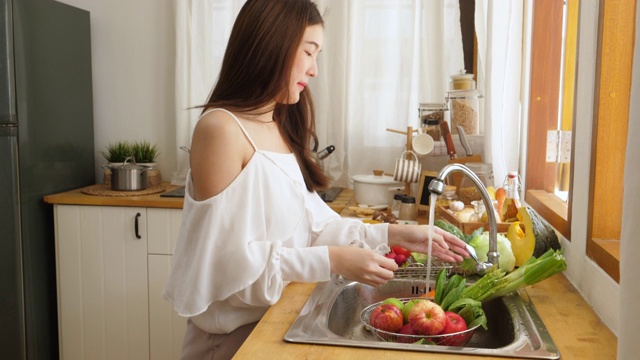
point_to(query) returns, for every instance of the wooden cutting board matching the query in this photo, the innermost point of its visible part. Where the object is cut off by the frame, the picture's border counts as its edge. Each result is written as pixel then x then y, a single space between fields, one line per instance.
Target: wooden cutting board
pixel 456 177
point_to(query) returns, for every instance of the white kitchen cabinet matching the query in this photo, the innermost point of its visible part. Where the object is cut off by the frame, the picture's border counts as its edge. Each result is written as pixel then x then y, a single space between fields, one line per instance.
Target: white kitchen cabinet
pixel 166 328
pixel 110 278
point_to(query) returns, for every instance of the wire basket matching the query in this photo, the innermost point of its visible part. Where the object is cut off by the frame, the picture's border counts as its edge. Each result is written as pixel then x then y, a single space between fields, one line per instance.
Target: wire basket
pixel 461 338
pixel 415 270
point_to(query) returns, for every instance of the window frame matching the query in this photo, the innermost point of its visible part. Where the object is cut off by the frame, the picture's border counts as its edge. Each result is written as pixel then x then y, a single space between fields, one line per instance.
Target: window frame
pixel 544 102
pixel 611 108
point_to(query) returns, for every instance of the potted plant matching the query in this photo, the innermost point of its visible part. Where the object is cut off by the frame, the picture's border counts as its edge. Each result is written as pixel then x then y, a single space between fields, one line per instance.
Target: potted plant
pixel 140 152
pixel 144 152
pixel 118 152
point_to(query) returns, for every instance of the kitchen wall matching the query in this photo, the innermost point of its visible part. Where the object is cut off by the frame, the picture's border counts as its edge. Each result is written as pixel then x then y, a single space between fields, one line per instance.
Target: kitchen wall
pixel 133 49
pixel 133 62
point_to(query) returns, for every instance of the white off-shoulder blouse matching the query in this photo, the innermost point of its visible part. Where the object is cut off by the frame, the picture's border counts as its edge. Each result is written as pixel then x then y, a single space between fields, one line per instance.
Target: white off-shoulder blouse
pixel 237 251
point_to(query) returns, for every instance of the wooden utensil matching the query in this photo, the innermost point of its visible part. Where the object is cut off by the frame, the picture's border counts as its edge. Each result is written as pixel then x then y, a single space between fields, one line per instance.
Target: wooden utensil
pixel 448 140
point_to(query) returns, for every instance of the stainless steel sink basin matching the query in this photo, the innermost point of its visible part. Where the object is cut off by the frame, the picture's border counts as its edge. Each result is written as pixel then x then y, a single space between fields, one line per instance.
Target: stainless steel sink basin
pixel 331 316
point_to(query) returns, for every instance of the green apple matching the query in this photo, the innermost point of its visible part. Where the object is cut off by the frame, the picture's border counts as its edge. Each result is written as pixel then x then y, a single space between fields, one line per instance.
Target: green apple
pixel 407 308
pixel 395 302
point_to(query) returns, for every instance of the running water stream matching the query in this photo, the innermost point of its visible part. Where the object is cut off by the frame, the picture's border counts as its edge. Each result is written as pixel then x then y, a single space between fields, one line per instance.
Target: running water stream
pixel 432 208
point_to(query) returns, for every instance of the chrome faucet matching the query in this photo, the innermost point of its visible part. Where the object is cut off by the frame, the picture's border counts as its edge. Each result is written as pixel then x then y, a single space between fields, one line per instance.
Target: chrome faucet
pixel 437 185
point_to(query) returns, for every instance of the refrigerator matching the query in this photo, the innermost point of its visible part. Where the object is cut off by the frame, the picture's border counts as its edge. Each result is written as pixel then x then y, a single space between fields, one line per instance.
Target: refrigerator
pixel 46 147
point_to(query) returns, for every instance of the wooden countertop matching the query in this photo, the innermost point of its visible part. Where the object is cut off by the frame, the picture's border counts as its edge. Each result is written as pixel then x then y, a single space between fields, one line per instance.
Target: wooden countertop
pixel 77 197
pixel 573 325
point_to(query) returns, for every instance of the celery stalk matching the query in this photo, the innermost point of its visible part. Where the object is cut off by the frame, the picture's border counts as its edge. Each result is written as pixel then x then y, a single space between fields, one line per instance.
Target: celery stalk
pixel 547 265
pixel 495 283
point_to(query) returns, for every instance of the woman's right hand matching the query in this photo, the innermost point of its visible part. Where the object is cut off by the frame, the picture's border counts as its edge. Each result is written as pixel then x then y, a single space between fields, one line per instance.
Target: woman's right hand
pixel 361 265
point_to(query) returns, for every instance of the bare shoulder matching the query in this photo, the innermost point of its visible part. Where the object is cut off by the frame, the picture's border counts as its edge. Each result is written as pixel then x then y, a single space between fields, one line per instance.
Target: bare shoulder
pixel 219 151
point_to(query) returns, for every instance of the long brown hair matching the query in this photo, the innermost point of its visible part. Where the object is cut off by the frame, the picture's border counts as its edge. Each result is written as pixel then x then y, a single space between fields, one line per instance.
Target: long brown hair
pixel 256 69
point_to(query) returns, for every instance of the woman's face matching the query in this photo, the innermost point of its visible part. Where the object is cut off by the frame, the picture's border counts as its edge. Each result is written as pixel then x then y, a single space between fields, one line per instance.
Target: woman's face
pixel 304 64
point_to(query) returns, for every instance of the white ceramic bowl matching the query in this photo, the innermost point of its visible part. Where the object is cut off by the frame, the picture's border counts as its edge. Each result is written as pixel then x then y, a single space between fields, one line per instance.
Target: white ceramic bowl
pixel 373 190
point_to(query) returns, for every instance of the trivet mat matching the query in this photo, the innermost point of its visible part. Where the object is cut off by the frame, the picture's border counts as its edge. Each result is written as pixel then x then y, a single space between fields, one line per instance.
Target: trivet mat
pixel 105 190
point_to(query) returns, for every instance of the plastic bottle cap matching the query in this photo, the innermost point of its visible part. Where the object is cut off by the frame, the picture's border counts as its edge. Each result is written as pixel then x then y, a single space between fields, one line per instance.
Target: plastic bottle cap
pixel 513 174
pixel 398 196
pixel 408 200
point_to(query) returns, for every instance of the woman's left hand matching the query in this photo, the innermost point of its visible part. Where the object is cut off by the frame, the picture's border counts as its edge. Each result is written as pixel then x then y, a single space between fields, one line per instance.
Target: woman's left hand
pixel 445 246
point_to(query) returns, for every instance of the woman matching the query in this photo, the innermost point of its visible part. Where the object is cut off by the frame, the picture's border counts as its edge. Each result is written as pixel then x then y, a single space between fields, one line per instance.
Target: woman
pixel 252 221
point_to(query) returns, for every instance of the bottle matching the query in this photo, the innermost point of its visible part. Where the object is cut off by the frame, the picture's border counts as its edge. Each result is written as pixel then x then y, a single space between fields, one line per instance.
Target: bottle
pixel 448 195
pixel 468 192
pixel 478 211
pixel 512 199
pixel 408 210
pixel 397 202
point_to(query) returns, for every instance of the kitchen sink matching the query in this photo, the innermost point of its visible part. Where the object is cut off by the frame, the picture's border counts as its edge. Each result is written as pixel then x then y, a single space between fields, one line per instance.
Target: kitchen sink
pixel 331 316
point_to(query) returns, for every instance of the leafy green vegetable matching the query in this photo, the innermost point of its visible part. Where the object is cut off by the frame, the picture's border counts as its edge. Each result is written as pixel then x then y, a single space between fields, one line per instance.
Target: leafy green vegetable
pixel 452 299
pixel 420 258
pixel 507 260
pixel 440 284
pixel 453 295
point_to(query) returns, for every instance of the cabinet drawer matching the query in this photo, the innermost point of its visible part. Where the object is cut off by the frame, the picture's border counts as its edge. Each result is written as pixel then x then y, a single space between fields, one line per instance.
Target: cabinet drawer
pixel 163 226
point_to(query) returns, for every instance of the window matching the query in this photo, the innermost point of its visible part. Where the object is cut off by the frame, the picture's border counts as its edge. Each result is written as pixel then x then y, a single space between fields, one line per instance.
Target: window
pixel 613 90
pixel 551 109
pixel 611 117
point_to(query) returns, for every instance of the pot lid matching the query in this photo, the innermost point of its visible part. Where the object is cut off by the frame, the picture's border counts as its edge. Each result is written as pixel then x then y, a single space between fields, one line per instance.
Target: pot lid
pixel 375 179
pixel 127 166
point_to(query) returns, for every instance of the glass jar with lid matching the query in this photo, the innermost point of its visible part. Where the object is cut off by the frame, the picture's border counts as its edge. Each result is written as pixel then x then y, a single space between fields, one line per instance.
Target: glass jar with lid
pixel 397 202
pixel 462 81
pixel 464 108
pixel 431 114
pixel 467 191
pixel 408 209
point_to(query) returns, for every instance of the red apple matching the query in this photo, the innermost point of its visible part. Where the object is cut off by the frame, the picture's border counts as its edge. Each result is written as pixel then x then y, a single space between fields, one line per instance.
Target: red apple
pixel 427 318
pixel 386 317
pixel 407 329
pixel 390 255
pixel 455 323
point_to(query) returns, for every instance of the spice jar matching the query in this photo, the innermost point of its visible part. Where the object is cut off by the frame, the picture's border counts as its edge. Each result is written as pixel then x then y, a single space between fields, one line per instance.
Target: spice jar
pixel 431 114
pixel 397 202
pixel 408 209
pixel 468 191
pixel 432 128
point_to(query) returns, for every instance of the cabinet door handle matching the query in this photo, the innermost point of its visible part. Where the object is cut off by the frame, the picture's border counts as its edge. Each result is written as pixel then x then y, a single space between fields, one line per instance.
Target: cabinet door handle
pixel 136 226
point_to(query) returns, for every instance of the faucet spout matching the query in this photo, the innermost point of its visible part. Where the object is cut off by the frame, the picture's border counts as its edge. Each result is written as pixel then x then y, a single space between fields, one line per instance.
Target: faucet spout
pixel 437 186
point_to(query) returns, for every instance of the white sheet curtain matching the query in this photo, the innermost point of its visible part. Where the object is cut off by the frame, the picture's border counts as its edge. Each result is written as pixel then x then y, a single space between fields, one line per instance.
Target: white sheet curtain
pixel 380 60
pixel 499 31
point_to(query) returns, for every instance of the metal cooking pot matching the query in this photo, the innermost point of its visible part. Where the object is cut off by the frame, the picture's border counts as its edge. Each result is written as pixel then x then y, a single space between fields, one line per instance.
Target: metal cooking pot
pixel 128 176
